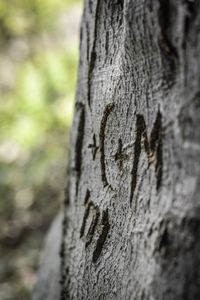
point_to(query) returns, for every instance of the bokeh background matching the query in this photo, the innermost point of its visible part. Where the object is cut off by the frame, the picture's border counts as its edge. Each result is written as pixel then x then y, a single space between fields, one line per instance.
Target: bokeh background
pixel 38 70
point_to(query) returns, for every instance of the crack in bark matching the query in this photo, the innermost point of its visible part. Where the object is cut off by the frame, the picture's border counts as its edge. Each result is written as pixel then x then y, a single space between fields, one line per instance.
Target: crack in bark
pixel 79 145
pixel 169 51
pixel 191 14
pixel 64 271
pixel 165 22
pixel 92 59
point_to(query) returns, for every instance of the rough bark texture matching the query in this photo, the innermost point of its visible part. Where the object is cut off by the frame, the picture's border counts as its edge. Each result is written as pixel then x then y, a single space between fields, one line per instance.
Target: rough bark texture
pixel 132 211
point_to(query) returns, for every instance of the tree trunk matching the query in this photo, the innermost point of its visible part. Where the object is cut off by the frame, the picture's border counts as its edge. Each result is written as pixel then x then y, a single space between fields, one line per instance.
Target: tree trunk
pixel 132 211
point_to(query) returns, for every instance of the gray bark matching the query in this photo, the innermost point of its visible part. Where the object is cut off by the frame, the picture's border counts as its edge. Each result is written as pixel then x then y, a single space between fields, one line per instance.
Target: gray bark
pixel 132 209
pixel 48 282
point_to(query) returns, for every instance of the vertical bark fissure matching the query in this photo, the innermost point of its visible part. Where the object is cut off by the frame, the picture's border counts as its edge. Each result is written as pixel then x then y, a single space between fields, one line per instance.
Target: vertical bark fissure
pixel 79 146
pixel 92 59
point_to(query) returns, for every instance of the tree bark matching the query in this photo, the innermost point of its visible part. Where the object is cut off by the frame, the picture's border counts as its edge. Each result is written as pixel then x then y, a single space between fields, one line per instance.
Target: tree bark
pixel 48 281
pixel 132 211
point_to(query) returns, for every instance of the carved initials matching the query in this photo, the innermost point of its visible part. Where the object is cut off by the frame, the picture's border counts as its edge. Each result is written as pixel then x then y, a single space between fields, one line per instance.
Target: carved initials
pixel 152 147
pixel 92 212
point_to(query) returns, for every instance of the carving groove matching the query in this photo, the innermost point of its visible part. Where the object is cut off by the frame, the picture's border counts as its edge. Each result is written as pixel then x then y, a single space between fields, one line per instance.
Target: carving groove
pixel 107 111
pixel 89 206
pixel 94 147
pixel 87 197
pixel 92 228
pixel 85 217
pixel 79 144
pixel 153 149
pixel 102 237
pixel 140 130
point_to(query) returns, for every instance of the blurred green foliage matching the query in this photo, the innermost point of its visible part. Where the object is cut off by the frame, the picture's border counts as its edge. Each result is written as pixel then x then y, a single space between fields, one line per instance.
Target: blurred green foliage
pixel 19 17
pixel 38 70
pixel 42 100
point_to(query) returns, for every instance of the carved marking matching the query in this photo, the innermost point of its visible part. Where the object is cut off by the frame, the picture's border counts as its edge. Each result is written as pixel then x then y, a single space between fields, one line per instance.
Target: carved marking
pixel 94 147
pixel 94 210
pixel 153 149
pixel 140 130
pixel 90 207
pixel 85 217
pixel 107 111
pixel 79 144
pixel 87 197
pixel 156 147
pixel 92 228
pixel 102 237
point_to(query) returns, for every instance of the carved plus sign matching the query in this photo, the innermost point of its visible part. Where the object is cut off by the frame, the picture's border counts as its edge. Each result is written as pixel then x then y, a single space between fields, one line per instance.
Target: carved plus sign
pixel 120 156
pixel 94 147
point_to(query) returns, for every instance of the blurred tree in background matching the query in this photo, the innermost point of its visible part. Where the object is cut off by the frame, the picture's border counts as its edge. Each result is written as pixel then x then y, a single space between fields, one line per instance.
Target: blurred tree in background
pixel 38 64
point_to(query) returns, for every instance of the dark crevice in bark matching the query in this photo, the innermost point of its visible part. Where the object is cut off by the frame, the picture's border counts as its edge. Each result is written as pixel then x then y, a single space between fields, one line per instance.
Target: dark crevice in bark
pixel 64 272
pixel 156 148
pixel 93 54
pixel 116 6
pixel 169 51
pixel 79 145
pixel 65 285
pixel 189 118
pixel 102 237
pixel 164 240
pixel 192 8
pixel 63 255
pixel 165 22
pixel 67 198
pixel 62 262
pixel 88 41
pixel 107 42
pixel 108 109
